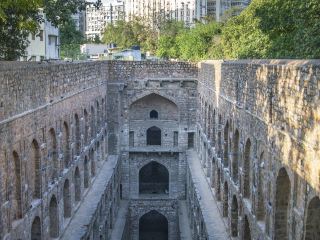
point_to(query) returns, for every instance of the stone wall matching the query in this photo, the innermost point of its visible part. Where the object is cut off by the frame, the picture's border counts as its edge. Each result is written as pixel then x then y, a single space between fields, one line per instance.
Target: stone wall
pixel 258 141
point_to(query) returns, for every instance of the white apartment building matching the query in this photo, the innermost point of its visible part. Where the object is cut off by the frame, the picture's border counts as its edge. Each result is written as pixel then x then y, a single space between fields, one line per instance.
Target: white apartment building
pixel 97 19
pixel 180 10
pixel 187 11
pixel 44 45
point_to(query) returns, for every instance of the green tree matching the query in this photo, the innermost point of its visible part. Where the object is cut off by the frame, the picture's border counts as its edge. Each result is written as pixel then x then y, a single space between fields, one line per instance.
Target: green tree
pixel 19 18
pixel 70 39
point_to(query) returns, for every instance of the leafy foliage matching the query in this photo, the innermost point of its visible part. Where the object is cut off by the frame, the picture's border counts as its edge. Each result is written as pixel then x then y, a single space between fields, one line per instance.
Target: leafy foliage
pixel 19 18
pixel 70 39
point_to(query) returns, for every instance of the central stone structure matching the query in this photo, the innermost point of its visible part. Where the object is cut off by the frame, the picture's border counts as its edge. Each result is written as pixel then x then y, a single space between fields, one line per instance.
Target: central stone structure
pixel 160 150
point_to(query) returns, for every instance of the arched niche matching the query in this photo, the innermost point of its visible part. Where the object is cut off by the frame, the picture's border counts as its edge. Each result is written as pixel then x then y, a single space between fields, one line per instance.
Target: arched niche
pixel 153 225
pixel 141 108
pixel 153 179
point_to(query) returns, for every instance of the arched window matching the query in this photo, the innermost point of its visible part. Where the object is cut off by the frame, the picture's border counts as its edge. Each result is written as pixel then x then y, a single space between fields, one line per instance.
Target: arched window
pixel 153 225
pixel 17 186
pixel 225 200
pixel 154 136
pixel 86 126
pixel 154 114
pixel 53 218
pixel 86 172
pixel 77 136
pixel 313 219
pixel 66 199
pixel 234 217
pixel 36 170
pixel 153 179
pixel 54 155
pixel 66 146
pixel 36 229
pixel 77 185
pixel 246 169
pixel 282 201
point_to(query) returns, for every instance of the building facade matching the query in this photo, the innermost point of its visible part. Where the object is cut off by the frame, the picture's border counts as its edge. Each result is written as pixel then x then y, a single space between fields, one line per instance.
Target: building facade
pixel 97 19
pixel 160 150
pixel 44 45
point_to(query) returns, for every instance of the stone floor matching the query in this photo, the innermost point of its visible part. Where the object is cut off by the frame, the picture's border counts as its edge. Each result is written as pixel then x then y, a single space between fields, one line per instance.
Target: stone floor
pixel 214 223
pixel 82 218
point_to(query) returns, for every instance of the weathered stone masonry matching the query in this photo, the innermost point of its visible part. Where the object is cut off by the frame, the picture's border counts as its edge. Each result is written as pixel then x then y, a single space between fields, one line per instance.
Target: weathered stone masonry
pixel 76 138
pixel 258 141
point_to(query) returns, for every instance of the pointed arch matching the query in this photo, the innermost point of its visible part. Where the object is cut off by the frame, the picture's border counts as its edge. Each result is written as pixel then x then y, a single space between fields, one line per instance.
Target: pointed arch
pixel 246 169
pixel 86 126
pixel 234 216
pixel 154 179
pixel 93 131
pixel 35 149
pixel 86 173
pixel 226 145
pixel 36 229
pixel 313 220
pixel 66 199
pixel 246 227
pixel 53 152
pixel 236 155
pixel 225 199
pixel 77 134
pixel 153 114
pixel 282 201
pixel 17 186
pixel 77 185
pixel 153 225
pixel 93 164
pixel 66 144
pixel 53 218
pixel 154 136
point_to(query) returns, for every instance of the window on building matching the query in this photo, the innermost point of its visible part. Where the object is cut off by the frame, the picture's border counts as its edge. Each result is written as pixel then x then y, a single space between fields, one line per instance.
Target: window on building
pixel 175 139
pixel 154 114
pixel 131 139
pixel 190 140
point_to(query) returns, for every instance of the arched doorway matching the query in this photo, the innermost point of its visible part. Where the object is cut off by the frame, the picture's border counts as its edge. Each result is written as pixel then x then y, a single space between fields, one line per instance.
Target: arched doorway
pixel 153 225
pixel 235 159
pixel 154 136
pixel 17 186
pixel 226 145
pixel 66 199
pixel 225 200
pixel 153 179
pixel 77 185
pixel 246 169
pixel 282 205
pixel 247 231
pixel 53 218
pixel 86 173
pixel 313 220
pixel 234 217
pixel 36 229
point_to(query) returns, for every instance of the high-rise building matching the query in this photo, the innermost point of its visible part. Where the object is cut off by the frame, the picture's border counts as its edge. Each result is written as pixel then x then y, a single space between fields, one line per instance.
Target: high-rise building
pixel 217 8
pixel 97 19
pixel 44 45
pixel 186 11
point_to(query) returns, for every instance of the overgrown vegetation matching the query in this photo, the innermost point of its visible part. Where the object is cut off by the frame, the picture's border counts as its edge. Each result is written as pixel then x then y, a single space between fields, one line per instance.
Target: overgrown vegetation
pixel 266 29
pixel 19 18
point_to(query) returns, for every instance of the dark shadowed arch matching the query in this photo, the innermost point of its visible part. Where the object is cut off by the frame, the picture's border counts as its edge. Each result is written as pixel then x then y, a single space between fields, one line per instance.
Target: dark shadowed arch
pixel 235 159
pixel 37 169
pixel 154 136
pixel 246 169
pixel 225 199
pixel 153 225
pixel 54 155
pixel 77 185
pixel 313 220
pixel 86 173
pixel 153 179
pixel 66 199
pixel 66 146
pixel 154 114
pixel 53 218
pixel 226 145
pixel 17 186
pixel 234 216
pixel 36 229
pixel 282 205
pixel 246 229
